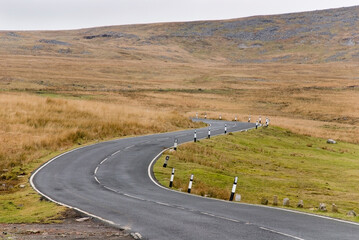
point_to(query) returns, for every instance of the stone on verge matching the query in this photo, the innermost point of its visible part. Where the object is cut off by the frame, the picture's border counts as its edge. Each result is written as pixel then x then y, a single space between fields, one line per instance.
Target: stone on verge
pixel 136 235
pixel 322 207
pixel 300 204
pixel 286 202
pixel 334 208
pixel 331 141
pixel 264 201
pixel 82 219
pixel 33 231
pixel 275 200
pixel 237 198
pixel 351 213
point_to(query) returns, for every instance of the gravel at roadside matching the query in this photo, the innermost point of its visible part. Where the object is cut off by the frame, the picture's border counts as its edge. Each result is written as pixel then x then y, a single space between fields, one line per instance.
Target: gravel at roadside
pixel 74 226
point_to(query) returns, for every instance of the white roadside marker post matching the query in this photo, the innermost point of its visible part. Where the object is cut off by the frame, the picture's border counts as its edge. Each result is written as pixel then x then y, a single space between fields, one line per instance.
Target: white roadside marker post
pixel 249 118
pixel 195 136
pixel 166 160
pixel 225 128
pixel 190 184
pixel 205 116
pixel 175 145
pixel 172 177
pixel 235 118
pixel 220 117
pixel 233 189
pixel 209 133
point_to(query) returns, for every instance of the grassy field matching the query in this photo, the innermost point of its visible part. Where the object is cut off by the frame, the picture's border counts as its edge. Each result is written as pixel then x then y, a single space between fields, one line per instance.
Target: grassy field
pixel 314 99
pixel 269 162
pixel 61 89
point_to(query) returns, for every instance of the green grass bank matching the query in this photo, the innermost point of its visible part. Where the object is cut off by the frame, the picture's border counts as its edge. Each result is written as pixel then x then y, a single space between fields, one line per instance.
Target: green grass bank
pixel 269 162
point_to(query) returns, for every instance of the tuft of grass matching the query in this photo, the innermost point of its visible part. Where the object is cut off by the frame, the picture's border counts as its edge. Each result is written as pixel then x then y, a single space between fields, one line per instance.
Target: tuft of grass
pixel 268 162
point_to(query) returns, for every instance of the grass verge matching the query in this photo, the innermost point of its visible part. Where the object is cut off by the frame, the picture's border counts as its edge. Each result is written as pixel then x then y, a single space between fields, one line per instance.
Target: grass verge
pixel 269 162
pixel 24 205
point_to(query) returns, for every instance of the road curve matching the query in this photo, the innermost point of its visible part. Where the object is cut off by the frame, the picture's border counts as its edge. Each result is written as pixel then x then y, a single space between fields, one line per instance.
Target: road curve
pixel 110 181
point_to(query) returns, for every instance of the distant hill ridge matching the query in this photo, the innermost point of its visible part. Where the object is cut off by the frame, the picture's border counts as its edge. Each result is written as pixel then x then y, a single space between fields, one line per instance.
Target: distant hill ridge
pixel 308 37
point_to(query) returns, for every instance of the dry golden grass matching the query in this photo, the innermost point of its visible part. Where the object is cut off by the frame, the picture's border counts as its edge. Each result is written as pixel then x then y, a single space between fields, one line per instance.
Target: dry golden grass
pixel 321 94
pixel 104 95
pixel 339 131
pixel 51 101
pixel 32 126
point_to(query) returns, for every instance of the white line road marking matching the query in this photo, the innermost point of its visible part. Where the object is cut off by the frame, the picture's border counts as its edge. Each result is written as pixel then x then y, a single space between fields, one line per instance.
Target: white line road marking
pixel 129 147
pixel 182 135
pixel 228 219
pixel 209 214
pixel 111 189
pixel 280 233
pixel 96 170
pixel 165 204
pixel 97 180
pixel 131 196
pixel 103 161
pixel 115 153
pixel 160 139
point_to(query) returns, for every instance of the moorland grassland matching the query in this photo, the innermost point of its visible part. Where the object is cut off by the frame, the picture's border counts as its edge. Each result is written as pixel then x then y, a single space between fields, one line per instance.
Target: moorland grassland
pixel 60 89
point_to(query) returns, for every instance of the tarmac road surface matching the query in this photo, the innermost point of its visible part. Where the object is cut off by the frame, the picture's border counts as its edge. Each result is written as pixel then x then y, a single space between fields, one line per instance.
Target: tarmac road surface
pixel 113 181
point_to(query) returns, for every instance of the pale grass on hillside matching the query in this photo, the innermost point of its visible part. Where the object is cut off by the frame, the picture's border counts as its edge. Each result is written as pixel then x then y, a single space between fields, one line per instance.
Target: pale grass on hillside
pixel 329 114
pixel 341 132
pixel 324 93
pixel 32 126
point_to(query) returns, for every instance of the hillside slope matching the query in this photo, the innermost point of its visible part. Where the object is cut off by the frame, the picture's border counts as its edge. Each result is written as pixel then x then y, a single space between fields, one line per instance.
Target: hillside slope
pixel 309 37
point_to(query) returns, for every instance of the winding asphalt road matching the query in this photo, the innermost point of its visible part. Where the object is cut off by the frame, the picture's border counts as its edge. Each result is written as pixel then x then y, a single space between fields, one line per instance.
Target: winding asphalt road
pixel 113 181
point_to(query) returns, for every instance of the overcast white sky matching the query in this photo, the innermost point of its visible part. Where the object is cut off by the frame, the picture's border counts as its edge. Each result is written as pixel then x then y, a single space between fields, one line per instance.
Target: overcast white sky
pixel 73 14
